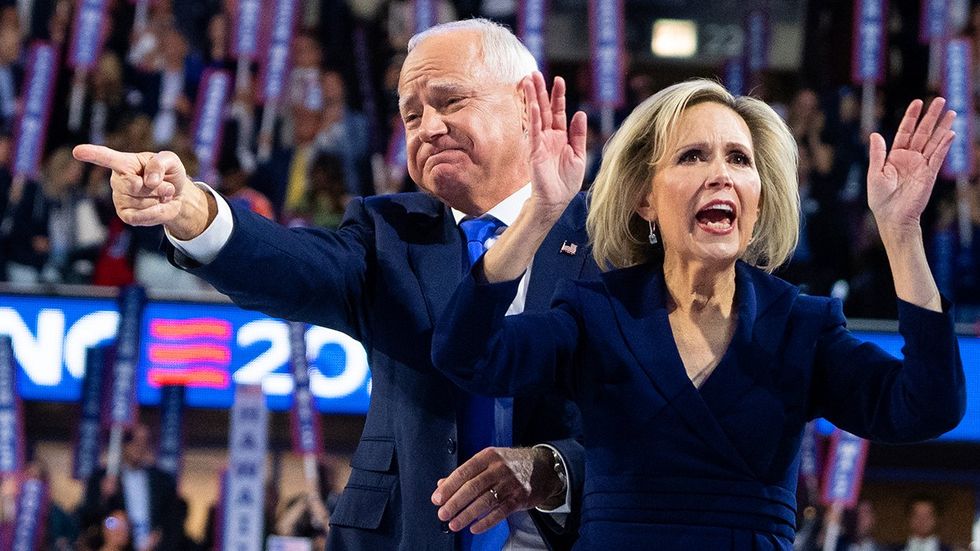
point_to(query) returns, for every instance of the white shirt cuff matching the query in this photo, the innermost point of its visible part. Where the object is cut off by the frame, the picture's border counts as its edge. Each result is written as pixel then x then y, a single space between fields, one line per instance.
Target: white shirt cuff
pixel 566 507
pixel 205 247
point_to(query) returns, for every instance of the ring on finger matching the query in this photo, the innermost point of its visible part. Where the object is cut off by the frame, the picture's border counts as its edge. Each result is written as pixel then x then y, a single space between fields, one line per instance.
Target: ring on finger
pixel 493 493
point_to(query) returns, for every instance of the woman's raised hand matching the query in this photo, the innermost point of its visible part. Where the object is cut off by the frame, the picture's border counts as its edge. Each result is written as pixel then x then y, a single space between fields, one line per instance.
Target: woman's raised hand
pixel 900 181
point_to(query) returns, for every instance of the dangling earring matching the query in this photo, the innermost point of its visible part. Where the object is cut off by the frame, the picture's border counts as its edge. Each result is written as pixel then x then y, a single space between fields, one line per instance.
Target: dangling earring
pixel 653 234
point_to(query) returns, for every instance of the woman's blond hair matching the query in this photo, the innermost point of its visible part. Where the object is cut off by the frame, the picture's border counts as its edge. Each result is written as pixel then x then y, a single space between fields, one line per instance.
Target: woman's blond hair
pixel 630 159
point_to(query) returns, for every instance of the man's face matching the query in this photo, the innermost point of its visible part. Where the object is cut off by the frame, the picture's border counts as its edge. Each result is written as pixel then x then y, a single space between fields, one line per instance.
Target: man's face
pixel 922 519
pixel 464 129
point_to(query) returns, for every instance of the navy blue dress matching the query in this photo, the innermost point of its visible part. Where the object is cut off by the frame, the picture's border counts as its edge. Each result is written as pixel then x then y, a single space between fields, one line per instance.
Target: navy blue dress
pixel 670 466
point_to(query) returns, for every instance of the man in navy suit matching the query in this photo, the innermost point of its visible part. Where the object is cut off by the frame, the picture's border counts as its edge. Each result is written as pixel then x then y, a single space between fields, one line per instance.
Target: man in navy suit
pixel 385 276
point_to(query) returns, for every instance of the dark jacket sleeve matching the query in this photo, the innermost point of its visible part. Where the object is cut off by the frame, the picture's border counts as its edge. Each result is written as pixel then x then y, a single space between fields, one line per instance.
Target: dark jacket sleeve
pixel 864 390
pixel 312 275
pixel 562 535
pixel 484 351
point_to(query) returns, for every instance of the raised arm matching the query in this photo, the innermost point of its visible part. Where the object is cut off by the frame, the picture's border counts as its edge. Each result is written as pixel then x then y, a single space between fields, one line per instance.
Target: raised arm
pixel 557 169
pixel 900 182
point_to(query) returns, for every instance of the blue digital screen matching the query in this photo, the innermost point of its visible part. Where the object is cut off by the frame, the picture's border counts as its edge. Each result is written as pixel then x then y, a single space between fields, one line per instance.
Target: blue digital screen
pixel 205 347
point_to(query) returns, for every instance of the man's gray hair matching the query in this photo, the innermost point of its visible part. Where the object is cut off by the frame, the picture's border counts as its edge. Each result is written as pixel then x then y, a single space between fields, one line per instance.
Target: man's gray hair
pixel 504 55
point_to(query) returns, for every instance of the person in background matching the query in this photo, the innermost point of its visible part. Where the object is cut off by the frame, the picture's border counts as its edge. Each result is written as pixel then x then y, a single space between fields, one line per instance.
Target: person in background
pixel 923 524
pixel 234 184
pixel 327 197
pixel 11 73
pixel 75 231
pixel 111 533
pixel 859 526
pixel 344 132
pixel 24 211
pixel 147 494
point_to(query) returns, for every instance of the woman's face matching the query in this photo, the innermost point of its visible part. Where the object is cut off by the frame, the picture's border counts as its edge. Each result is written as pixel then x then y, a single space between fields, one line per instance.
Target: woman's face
pixel 704 197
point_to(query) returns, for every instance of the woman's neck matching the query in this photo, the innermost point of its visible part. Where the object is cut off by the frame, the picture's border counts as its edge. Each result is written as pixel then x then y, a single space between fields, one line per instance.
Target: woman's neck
pixel 696 288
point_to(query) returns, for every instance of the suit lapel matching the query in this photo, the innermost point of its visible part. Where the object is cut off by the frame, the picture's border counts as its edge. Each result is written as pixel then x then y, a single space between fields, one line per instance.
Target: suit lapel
pixel 764 305
pixel 436 257
pixel 562 255
pixel 638 301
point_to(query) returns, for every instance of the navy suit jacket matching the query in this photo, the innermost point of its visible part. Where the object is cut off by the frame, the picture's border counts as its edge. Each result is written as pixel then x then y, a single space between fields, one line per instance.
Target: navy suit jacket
pixel 673 467
pixel 383 277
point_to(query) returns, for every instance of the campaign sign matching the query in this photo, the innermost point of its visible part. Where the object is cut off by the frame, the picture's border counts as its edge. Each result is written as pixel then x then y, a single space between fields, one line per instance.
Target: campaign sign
pixel 734 76
pixel 845 469
pixel 530 27
pixel 305 423
pixel 212 96
pixel 424 12
pixel 870 41
pixel 757 33
pixel 934 20
pixel 809 453
pixel 247 447
pixel 32 514
pixel 958 91
pixel 32 127
pixel 171 429
pixel 606 34
pixel 88 439
pixel 11 416
pixel 87 34
pixel 245 29
pixel 278 41
pixel 122 408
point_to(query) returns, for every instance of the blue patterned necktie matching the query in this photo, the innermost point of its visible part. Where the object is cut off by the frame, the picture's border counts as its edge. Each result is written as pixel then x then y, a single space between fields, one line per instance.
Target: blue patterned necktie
pixel 483 421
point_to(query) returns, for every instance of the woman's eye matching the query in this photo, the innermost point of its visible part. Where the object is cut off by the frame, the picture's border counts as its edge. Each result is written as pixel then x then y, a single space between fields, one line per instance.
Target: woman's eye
pixel 692 156
pixel 741 159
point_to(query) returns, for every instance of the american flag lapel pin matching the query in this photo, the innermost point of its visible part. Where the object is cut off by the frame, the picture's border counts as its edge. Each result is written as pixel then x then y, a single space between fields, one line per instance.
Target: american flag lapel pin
pixel 568 248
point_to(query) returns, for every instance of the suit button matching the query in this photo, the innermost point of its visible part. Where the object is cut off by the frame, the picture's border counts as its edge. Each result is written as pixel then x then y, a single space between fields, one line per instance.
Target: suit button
pixel 451 446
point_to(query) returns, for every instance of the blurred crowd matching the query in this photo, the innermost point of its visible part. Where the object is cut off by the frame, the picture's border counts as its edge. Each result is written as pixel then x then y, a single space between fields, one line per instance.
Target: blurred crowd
pixel 140 509
pixel 337 134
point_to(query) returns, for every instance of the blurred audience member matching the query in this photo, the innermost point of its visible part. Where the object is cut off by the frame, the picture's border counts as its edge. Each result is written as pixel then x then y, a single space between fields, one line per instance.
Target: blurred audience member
pixel 826 229
pixel 106 107
pixel 345 133
pixel 327 197
pixel 285 177
pixel 234 186
pixel 147 495
pixel 75 232
pixel 11 73
pixel 24 211
pixel 218 38
pixel 307 514
pixel 170 86
pixel 859 529
pixel 923 518
pixel 111 533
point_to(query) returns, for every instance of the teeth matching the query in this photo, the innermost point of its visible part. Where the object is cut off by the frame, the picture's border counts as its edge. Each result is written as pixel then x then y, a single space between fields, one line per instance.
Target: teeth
pixel 718 225
pixel 723 207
